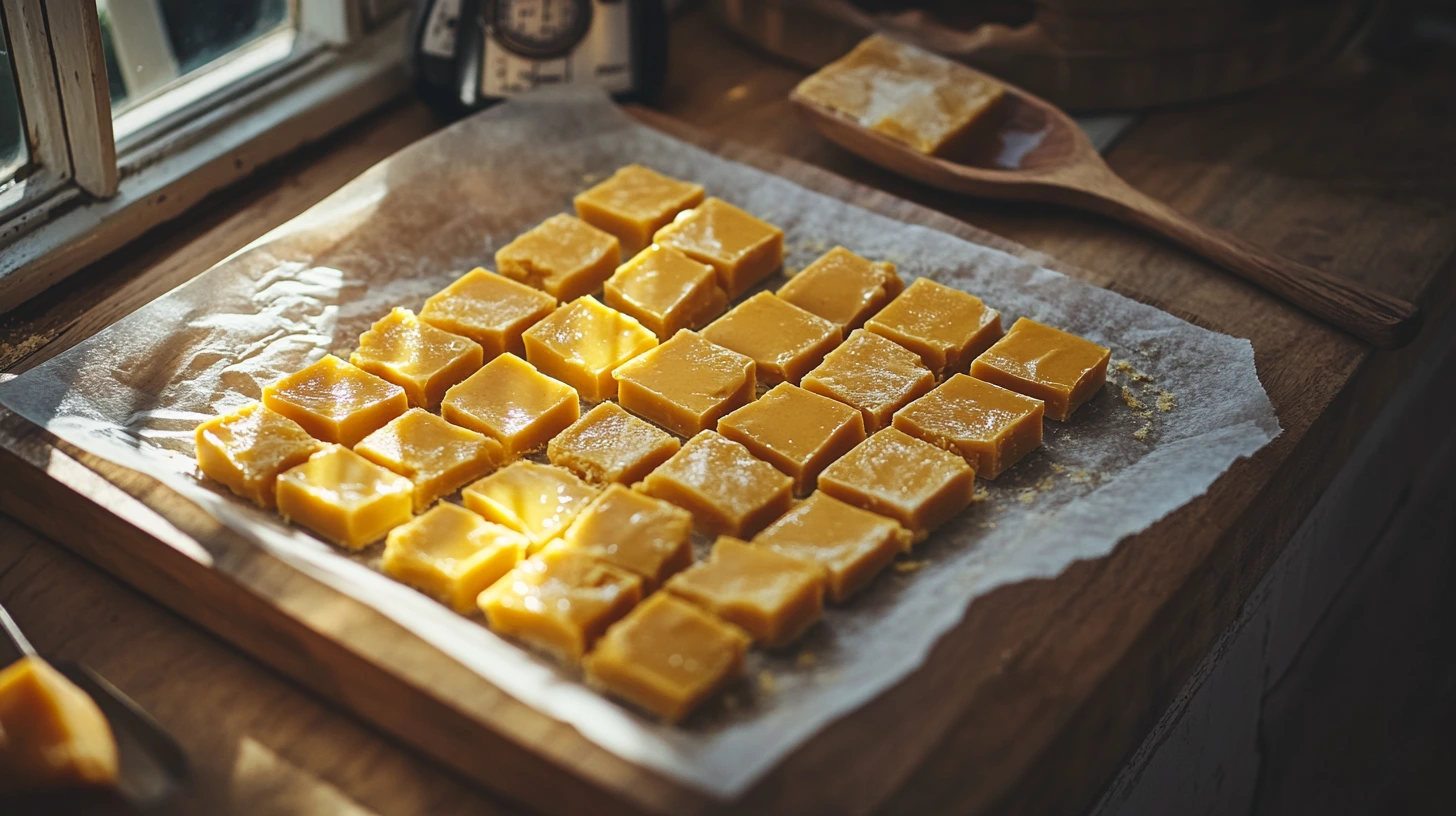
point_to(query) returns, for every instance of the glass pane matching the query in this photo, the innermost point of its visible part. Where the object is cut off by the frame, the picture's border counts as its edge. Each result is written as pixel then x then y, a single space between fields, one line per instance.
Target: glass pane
pixel 14 153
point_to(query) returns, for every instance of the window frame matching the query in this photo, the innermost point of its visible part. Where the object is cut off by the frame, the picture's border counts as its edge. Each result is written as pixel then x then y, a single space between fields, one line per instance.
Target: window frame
pixel 49 166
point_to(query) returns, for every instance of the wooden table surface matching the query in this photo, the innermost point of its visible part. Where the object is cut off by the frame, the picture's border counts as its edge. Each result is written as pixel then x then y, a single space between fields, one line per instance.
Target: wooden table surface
pixel 1348 169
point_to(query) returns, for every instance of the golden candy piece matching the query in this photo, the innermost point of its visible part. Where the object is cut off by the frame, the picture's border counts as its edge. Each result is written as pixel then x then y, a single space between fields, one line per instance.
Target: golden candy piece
pixel 666 291
pixel 843 288
pixel 850 545
pixel 513 403
pixel 724 486
pixel 538 501
pixel 344 497
pixel 635 203
pixel 872 374
pixel 563 256
pixel 797 431
pixel 436 456
pixel 247 449
pixel 773 597
pixel 610 445
pixel 52 735
pixel 581 343
pixel 452 554
pixel 896 475
pixel 988 425
pixel 667 657
pixel 648 536
pixel 783 340
pixel 421 359
pixel 946 327
pixel 560 601
pixel 743 249
pixel 493 311
pixel 1060 369
pixel 685 384
pixel 335 401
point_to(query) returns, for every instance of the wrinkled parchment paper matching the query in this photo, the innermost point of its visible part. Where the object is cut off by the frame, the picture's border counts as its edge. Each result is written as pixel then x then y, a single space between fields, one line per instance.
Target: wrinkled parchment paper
pixel 1181 405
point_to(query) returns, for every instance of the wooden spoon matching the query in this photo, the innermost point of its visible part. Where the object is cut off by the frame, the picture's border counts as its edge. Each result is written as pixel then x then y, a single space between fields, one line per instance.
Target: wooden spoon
pixel 1038 153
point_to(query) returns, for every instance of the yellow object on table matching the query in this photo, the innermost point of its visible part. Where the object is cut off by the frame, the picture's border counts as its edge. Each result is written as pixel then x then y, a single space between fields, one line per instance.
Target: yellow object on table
pixel 851 545
pixel 538 501
pixel 874 375
pixel 336 401
pixel 421 359
pixel 52 735
pixel 896 475
pixel 686 384
pixel 247 449
pixel 667 657
pixel 648 536
pixel 635 203
pixel 610 445
pixel 436 456
pixel 1058 368
pixel 560 601
pixel 797 431
pixel 991 427
pixel 581 343
pixel 843 288
pixel 344 497
pixel 666 291
pixel 564 257
pixel 947 327
pixel 784 341
pixel 452 554
pixel 513 403
pixel 743 249
pixel 490 309
pixel 725 487
pixel 773 597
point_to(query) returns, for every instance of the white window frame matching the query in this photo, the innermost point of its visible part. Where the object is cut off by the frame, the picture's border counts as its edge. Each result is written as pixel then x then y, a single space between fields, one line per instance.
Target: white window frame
pixel 86 193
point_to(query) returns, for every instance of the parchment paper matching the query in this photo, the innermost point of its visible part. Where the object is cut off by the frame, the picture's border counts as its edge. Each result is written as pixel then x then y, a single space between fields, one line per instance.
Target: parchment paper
pixel 1181 405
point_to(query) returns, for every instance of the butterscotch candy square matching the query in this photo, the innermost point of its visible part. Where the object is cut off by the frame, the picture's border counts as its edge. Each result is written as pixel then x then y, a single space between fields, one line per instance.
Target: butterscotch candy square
pixel 581 343
pixel 772 597
pixel 335 401
pixel 726 488
pixel 610 445
pixel 783 340
pixel 667 657
pixel 945 326
pixel 843 288
pixel 437 456
pixel 513 403
pixel 850 545
pixel 492 310
pixel 1058 368
pixel 797 431
pixel 901 477
pixel 560 601
pixel 666 291
pixel 743 249
pixel 452 554
pixel 987 424
pixel 635 203
pixel 247 449
pixel 538 501
pixel 421 359
pixel 874 375
pixel 648 536
pixel 564 257
pixel 686 384
pixel 344 497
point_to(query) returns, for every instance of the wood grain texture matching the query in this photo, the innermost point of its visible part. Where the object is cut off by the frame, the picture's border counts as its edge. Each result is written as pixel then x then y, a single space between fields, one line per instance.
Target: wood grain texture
pixel 81 71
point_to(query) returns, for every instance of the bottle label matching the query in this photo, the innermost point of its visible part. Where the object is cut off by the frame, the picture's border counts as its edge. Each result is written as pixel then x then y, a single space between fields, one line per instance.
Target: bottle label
pixel 441 29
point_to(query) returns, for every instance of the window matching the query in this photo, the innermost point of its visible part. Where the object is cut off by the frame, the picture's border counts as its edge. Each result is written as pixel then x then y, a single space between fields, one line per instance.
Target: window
pixel 13 152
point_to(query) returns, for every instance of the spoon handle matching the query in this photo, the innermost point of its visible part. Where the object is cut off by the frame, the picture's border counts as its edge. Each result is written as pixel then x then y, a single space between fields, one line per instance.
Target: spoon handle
pixel 12 629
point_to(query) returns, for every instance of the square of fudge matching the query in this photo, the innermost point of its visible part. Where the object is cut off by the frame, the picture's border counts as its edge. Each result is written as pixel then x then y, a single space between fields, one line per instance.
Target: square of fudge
pixel 784 341
pixel 344 497
pixel 538 501
pixel 635 203
pixel 492 310
pixel 560 601
pixel 336 401
pixel 726 488
pixel 513 403
pixel 421 359
pixel 666 291
pixel 904 478
pixel 797 431
pixel 947 327
pixel 667 657
pixel 1058 368
pixel 990 426
pixel 451 554
pixel 437 456
pixel 686 384
pixel 247 449
pixel 850 545
pixel 648 536
pixel 743 249
pixel 581 343
pixel 562 256
pixel 610 445
pixel 772 597
pixel 843 288
pixel 874 375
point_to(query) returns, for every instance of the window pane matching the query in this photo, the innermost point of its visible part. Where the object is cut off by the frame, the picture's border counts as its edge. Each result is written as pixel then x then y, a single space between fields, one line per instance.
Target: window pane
pixel 13 151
